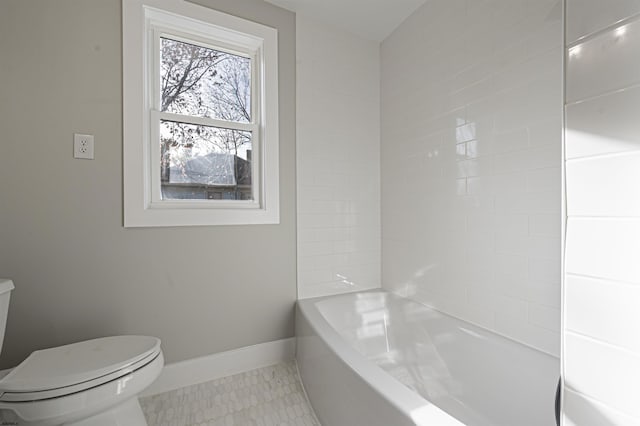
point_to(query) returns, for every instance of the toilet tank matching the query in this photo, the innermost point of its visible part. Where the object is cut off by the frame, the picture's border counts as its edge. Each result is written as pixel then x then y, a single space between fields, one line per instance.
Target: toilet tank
pixel 5 292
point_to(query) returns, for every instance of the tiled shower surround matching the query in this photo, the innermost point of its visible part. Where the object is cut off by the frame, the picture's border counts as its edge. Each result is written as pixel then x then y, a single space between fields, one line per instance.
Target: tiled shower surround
pixel 602 277
pixel 471 98
pixel 338 160
pixel 269 396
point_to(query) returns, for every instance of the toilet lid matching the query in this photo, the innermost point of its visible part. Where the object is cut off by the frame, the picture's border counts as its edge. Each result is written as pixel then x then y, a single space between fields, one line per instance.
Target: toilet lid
pixel 78 363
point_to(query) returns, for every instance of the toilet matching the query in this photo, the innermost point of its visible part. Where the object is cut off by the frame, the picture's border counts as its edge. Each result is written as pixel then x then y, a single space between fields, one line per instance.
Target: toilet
pixel 90 383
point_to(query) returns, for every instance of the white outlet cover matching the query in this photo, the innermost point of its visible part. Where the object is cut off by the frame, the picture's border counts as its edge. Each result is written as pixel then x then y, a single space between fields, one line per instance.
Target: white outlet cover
pixel 83 146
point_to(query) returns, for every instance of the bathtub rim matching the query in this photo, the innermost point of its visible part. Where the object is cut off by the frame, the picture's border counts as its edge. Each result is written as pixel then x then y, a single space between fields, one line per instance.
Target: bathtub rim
pixel 420 410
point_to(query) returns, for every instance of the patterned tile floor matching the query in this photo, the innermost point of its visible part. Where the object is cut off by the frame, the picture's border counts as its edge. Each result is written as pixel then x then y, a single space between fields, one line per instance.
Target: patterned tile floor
pixel 269 396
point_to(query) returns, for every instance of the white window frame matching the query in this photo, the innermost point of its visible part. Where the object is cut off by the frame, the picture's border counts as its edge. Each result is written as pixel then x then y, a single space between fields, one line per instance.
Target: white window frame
pixel 144 22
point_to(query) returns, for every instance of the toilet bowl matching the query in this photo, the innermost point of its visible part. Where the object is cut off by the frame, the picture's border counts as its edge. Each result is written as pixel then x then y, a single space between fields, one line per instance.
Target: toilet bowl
pixel 90 383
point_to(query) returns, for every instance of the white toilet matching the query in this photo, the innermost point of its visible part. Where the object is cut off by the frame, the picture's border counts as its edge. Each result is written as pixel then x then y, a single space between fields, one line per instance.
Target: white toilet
pixel 91 383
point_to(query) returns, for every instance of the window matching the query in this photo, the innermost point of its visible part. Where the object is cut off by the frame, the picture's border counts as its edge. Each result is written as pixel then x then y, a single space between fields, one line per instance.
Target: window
pixel 200 117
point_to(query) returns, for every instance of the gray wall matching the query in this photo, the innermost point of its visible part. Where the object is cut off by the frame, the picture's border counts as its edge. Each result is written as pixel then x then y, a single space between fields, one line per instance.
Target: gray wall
pixel 78 273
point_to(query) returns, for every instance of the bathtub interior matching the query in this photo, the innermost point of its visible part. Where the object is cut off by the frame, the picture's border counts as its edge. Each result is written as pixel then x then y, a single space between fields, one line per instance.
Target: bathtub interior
pixel 480 378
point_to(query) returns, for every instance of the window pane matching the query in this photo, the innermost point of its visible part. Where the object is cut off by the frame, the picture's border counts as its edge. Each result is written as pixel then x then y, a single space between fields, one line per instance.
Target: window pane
pixel 204 82
pixel 202 162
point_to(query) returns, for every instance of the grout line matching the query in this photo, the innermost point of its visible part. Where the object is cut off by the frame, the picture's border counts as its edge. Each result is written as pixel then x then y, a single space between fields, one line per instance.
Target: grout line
pixel 609 280
pixel 603 218
pixel 597 401
pixel 597 33
pixel 604 156
pixel 601 342
pixel 618 90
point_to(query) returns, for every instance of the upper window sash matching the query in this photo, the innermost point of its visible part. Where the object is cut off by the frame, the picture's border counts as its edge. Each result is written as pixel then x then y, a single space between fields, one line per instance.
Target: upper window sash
pixel 253 54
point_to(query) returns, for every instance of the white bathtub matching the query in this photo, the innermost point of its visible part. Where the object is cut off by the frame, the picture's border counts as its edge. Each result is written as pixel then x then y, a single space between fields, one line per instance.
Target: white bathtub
pixel 376 359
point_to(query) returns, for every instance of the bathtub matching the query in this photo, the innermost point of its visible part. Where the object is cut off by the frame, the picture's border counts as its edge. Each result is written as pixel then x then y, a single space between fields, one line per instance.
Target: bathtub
pixel 376 359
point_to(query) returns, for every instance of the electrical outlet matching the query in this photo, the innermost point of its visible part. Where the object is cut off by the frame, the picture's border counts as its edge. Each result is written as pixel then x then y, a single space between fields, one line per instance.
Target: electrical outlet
pixel 83 146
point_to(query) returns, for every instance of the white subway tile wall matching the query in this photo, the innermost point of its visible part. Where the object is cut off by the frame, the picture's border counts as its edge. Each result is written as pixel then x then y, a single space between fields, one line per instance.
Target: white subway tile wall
pixel 338 158
pixel 586 17
pixel 592 192
pixel 471 163
pixel 607 124
pixel 587 411
pixel 589 66
pixel 602 272
pixel 604 310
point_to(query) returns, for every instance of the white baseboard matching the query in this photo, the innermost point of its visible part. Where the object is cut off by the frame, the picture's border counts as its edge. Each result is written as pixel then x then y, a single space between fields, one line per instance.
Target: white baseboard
pixel 211 367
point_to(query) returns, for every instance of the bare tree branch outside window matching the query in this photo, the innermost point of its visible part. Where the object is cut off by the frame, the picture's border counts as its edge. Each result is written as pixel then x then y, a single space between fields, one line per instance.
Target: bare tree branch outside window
pixel 203 82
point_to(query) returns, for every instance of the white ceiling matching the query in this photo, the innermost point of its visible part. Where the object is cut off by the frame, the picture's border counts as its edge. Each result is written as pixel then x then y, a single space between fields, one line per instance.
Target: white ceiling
pixel 370 19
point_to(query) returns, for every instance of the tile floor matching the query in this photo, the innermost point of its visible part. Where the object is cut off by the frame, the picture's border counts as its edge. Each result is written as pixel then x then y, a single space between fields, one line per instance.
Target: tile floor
pixel 269 396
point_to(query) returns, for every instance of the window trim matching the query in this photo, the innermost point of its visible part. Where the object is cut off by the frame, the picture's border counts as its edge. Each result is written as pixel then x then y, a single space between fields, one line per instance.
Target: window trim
pixel 144 21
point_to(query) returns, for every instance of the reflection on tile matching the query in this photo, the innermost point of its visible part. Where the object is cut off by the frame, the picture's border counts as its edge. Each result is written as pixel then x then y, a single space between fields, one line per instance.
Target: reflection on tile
pixel 580 410
pixel 605 63
pixel 617 387
pixel 587 16
pixel 604 186
pixel 604 248
pixel 604 125
pixel 267 396
pixel 603 229
pixel 603 310
pixel 487 94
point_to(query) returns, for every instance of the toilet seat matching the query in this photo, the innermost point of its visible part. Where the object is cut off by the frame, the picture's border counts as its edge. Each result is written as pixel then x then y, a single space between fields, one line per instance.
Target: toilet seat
pixel 68 369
